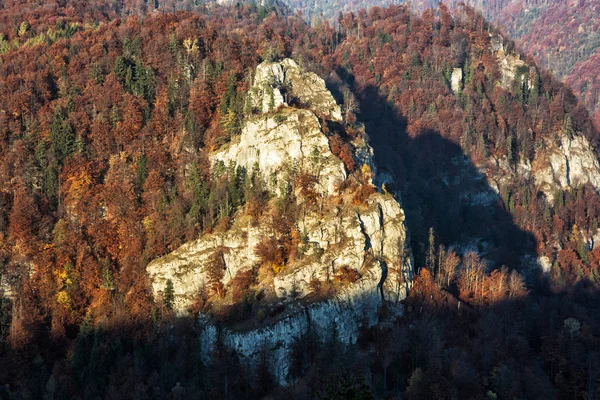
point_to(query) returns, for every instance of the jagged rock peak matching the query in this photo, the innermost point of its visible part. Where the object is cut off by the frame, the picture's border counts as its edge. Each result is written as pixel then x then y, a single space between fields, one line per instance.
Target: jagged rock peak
pixel 283 138
pixel 512 67
pixel 284 82
pixel 279 144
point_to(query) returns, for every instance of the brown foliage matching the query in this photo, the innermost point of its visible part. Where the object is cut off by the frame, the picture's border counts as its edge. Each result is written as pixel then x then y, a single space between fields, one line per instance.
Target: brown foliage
pixel 215 270
pixel 364 191
pixel 270 252
pixel 306 183
pixel 347 274
pixel 343 150
pixel 241 283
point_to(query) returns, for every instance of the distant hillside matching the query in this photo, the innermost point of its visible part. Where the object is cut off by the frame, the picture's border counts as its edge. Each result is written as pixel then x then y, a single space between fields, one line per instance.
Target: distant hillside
pixel 562 36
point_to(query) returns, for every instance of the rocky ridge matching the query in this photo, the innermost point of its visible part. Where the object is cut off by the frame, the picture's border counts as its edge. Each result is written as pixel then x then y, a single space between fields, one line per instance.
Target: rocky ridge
pixel 366 238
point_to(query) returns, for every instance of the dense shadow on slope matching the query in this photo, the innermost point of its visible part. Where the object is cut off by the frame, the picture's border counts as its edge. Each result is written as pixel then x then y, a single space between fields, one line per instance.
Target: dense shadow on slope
pixel 441 188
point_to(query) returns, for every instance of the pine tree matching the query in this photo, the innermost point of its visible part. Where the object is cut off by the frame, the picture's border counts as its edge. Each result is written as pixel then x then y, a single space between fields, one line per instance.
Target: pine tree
pixel 430 260
pixel 270 97
pixel 200 191
pixel 61 136
pixel 169 295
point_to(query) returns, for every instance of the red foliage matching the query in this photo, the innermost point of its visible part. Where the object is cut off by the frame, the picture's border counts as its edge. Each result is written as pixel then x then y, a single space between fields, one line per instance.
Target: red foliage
pixel 240 284
pixel 347 274
pixel 343 150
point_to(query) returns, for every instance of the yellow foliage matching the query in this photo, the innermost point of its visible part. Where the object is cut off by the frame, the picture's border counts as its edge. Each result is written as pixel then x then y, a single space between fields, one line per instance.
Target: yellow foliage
pixel 63 276
pixel 39 39
pixel 23 29
pixel 276 268
pixel 147 223
pixel 366 170
pixel 59 231
pixel 190 45
pixel 78 184
pixel 63 298
pixel 575 234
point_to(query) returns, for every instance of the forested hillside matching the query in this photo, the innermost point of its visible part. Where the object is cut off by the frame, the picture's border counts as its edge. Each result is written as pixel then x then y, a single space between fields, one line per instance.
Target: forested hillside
pixel 108 114
pixel 562 36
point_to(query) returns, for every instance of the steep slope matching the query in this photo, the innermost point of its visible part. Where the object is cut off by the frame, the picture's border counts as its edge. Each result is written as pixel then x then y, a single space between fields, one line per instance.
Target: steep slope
pixel 563 37
pixel 585 82
pixel 566 160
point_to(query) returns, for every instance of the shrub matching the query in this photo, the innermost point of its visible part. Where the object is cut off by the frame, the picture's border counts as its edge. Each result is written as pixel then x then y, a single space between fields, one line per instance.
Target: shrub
pixel 280 118
pixel 215 270
pixel 362 193
pixel 306 183
pixel 240 285
pixel 315 286
pixel 270 253
pixel 343 151
pixel 347 274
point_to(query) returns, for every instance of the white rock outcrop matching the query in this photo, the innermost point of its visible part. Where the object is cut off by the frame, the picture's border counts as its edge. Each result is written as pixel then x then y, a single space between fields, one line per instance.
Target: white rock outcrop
pixel 186 266
pixel 277 339
pixel 370 240
pixel 565 163
pixel 286 81
pixel 290 139
pixel 511 65
pixel 456 80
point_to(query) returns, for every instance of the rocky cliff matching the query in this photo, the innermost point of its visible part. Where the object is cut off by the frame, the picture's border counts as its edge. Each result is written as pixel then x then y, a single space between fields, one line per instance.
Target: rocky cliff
pixel 350 238
pixel 564 162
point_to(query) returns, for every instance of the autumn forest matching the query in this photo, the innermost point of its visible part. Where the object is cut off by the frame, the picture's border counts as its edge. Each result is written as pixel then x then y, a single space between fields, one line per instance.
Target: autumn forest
pixel 108 113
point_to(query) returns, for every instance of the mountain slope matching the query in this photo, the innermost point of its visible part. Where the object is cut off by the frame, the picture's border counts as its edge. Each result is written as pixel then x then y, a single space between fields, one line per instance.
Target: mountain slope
pixel 563 36
pixel 114 208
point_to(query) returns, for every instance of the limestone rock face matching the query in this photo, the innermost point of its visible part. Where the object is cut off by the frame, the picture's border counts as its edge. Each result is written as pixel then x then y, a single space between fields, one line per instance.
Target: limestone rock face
pixel 367 237
pixel 457 77
pixel 561 164
pixel 287 77
pixel 370 239
pixel 321 318
pixel 511 66
pixel 291 138
pixel 545 264
pixel 186 266
pixel 568 163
